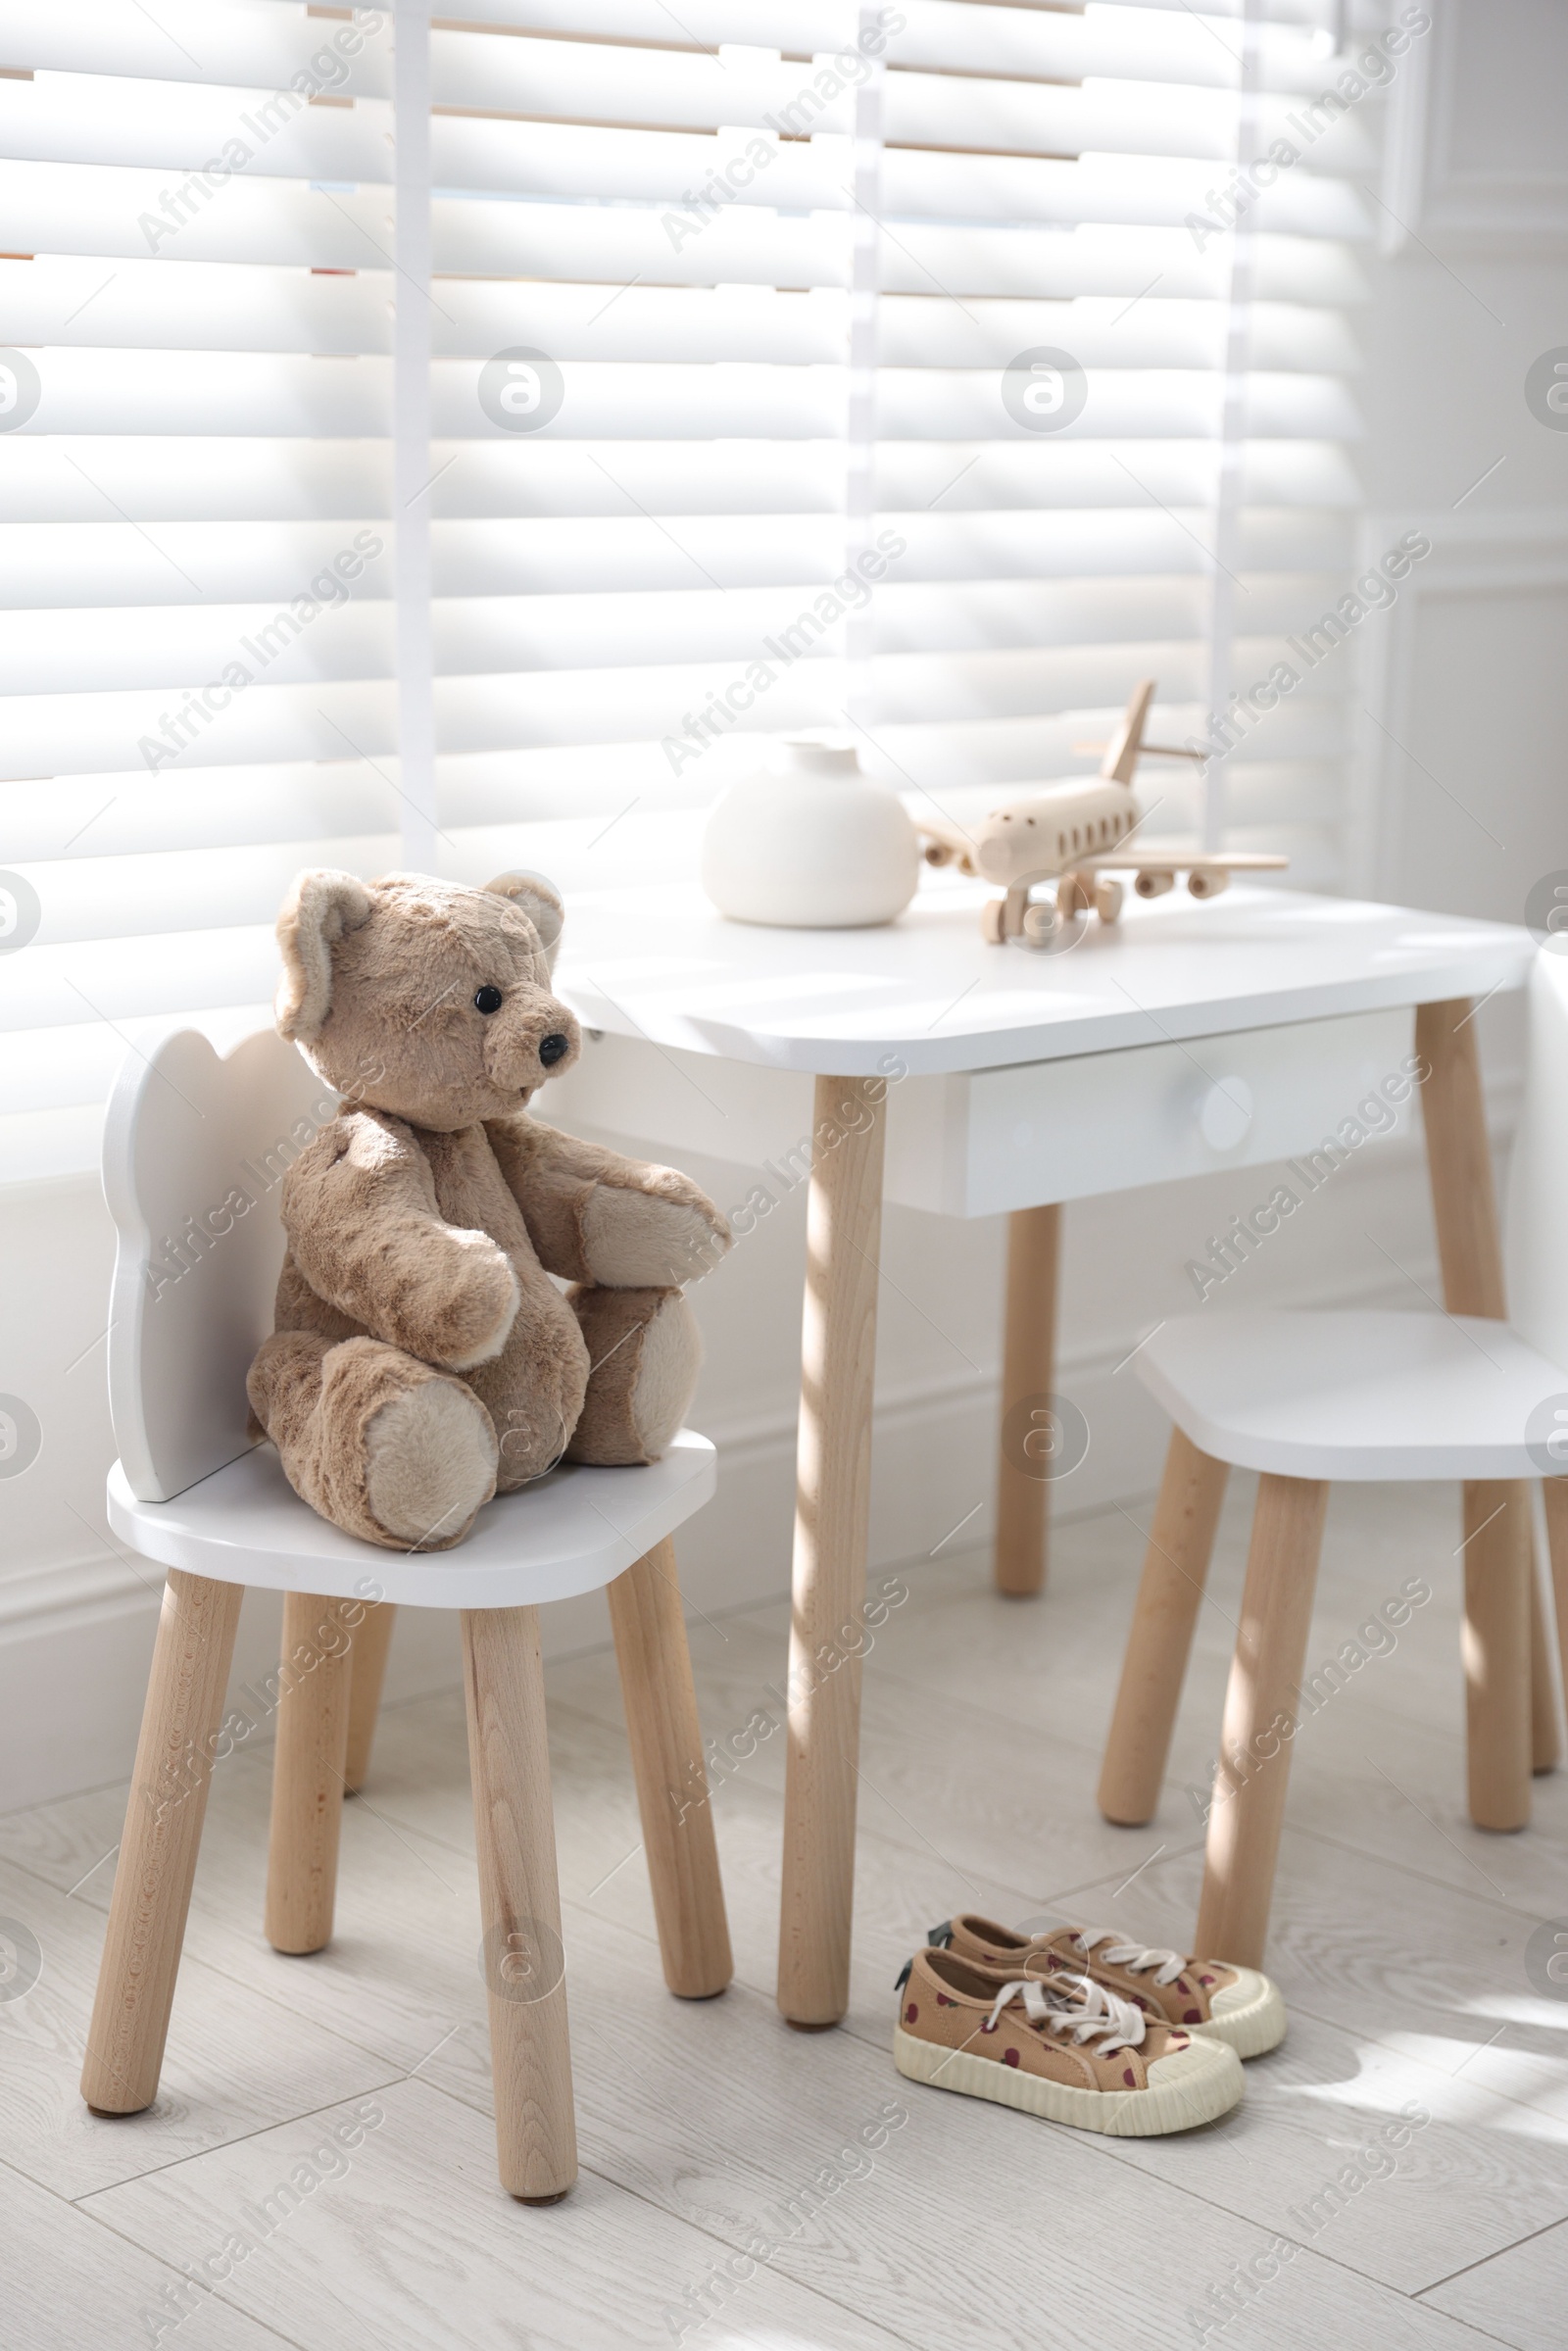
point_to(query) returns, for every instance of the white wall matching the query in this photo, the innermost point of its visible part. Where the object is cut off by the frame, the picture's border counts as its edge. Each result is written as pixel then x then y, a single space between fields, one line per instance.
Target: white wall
pixel 1461 811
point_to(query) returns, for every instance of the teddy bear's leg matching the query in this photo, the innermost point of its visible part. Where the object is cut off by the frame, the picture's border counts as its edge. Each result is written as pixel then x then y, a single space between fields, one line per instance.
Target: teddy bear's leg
pixel 375 1440
pixel 643 1356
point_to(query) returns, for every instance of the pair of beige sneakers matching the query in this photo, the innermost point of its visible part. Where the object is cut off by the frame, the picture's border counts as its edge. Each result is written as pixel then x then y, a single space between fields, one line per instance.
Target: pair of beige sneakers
pixel 1082 2026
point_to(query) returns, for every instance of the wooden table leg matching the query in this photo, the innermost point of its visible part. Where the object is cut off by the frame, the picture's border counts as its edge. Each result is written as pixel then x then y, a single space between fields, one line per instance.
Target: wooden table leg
pixel 1181 1543
pixel 1544 1749
pixel 1028 1368
pixel 176 1755
pixel 308 1775
pixel 1260 1712
pixel 673 1793
pixel 1497 1575
pixel 1554 1490
pixel 372 1638
pixel 519 1902
pixel 833 1493
pixel 1464 1207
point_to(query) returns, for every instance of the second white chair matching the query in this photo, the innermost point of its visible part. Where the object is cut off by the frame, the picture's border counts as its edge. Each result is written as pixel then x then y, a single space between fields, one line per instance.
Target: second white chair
pixel 1308 1398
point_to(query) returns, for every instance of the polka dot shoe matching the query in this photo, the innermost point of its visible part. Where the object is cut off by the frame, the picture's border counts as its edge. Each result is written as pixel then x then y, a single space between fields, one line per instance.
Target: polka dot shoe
pixel 1071 2053
pixel 1232 2004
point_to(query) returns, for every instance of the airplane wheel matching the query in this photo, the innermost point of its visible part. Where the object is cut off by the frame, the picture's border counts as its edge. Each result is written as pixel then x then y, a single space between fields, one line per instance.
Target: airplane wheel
pixel 991 921
pixel 1043 925
pixel 1108 899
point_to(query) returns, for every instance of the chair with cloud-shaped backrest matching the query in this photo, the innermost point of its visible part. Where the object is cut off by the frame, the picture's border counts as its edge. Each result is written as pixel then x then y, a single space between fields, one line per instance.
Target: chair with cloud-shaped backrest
pixel 194 1152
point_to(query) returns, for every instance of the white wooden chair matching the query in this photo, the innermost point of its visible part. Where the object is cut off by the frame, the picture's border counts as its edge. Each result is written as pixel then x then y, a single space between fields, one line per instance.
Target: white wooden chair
pixel 194 1152
pixel 1307 1397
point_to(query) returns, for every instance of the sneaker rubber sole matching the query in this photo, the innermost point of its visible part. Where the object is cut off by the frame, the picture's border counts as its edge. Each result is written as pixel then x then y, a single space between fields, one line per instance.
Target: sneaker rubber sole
pixel 1196 2085
pixel 1255 2024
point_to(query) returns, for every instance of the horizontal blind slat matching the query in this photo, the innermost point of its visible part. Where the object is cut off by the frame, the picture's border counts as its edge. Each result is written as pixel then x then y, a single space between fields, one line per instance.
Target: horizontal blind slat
pixel 56 651
pixel 58 565
pixel 215 306
pixel 158 480
pixel 129 813
pixel 87 392
pixel 177 128
pixel 264 47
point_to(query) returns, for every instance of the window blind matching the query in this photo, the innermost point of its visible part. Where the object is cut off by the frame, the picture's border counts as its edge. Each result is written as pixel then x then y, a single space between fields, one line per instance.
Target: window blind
pixel 930 371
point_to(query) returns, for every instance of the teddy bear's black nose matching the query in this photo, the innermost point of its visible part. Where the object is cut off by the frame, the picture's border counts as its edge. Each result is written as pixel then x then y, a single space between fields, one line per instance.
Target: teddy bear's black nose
pixel 552 1048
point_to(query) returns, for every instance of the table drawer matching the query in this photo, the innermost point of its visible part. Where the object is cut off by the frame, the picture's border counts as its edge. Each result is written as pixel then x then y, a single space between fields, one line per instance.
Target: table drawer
pixel 985 1141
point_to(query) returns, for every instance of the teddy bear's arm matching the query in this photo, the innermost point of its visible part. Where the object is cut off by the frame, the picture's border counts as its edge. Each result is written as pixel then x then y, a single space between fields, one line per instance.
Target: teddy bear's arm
pixel 594 1217
pixel 360 1210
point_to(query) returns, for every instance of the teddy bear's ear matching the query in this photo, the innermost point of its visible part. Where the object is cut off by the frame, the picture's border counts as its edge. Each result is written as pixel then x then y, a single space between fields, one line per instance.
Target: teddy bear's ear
pixel 320 907
pixel 539 901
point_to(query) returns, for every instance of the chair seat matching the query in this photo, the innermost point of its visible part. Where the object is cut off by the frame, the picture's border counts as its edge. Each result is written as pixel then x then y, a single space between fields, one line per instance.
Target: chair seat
pixel 573 1531
pixel 1357 1395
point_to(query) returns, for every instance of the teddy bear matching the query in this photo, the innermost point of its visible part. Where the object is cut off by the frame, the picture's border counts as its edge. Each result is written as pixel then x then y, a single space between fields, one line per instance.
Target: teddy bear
pixel 423 1358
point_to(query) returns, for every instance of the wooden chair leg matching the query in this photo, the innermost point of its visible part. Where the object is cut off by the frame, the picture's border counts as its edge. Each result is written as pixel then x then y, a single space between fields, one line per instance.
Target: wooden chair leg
pixel 1555 1493
pixel 1496 1651
pixel 832 1514
pixel 1181 1543
pixel 1260 1703
pixel 308 1773
pixel 672 1794
pixel 1545 1746
pixel 372 1638
pixel 1028 1368
pixel 519 1902
pixel 176 1755
pixel 1464 1211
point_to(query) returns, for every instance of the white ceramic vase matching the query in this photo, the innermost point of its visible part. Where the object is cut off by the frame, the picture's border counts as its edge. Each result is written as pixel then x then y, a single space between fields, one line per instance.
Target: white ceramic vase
pixel 810 843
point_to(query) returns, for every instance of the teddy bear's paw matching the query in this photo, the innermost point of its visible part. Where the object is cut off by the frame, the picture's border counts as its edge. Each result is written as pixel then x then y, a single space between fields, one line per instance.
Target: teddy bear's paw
pixel 430 1460
pixel 473 1301
pixel 635 1240
pixel 645 1352
pixel 668 1363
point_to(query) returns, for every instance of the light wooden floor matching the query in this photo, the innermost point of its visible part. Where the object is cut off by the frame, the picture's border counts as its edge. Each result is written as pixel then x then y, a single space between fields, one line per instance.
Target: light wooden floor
pixel 1399 1940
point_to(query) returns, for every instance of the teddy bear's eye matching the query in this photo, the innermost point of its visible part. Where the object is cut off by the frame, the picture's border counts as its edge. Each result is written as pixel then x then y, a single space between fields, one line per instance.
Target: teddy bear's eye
pixel 488 999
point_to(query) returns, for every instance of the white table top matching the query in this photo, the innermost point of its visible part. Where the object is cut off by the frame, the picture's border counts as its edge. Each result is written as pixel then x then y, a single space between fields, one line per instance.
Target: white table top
pixel 659 963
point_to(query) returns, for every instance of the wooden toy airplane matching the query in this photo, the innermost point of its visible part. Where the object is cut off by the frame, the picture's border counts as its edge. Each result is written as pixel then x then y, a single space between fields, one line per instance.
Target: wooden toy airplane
pixel 1077 835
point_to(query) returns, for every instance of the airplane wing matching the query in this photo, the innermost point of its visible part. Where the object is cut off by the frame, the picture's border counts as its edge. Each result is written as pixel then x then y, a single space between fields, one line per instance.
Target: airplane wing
pixel 1164 856
pixel 945 843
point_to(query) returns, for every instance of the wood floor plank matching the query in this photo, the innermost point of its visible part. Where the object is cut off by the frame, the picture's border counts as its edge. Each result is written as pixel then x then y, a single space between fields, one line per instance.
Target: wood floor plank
pixel 1396 1791
pixel 1330 2150
pixel 1519 2297
pixel 236 2061
pixel 414 2243
pixel 70 2281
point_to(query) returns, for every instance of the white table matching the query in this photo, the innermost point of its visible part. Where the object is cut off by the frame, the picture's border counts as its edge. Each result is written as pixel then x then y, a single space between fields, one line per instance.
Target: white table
pixel 973 1079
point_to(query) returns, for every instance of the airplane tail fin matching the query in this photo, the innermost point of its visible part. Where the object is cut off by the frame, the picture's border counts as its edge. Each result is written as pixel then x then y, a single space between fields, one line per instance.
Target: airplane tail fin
pixel 1120 763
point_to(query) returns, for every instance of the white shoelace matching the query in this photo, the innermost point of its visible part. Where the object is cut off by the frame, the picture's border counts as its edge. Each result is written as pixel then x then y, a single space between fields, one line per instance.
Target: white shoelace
pixel 1167 1965
pixel 1092 2013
